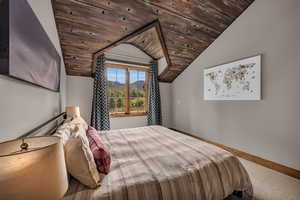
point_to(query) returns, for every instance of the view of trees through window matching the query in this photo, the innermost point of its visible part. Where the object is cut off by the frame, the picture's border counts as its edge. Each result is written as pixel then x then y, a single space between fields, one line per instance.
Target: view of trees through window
pixel 126 90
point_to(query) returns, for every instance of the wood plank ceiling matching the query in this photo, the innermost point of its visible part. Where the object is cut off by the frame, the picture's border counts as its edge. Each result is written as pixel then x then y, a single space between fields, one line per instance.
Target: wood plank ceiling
pixel 149 41
pixel 188 27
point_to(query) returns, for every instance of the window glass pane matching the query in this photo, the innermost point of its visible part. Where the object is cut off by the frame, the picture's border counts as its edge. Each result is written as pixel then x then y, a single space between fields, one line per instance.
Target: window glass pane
pixel 116 79
pixel 137 104
pixel 137 91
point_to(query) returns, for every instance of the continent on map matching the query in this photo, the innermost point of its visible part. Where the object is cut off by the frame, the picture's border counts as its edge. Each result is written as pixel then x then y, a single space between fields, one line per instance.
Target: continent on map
pixel 232 75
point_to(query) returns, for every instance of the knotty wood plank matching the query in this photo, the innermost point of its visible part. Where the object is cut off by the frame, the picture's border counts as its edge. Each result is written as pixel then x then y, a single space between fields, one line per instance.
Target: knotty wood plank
pixel 186 29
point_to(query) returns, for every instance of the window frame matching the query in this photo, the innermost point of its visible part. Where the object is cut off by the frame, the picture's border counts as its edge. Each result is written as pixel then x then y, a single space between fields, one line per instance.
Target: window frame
pixel 127 112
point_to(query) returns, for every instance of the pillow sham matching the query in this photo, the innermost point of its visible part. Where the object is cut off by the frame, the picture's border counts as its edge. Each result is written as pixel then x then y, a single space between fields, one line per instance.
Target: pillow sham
pixel 99 150
pixel 79 159
pixel 65 130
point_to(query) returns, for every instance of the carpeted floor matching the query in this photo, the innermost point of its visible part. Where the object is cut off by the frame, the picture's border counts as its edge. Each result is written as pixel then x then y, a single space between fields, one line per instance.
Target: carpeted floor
pixel 271 185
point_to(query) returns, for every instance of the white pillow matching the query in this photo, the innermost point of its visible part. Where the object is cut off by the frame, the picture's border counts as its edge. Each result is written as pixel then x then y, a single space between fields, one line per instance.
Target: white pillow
pixel 79 159
pixel 80 121
pixel 65 130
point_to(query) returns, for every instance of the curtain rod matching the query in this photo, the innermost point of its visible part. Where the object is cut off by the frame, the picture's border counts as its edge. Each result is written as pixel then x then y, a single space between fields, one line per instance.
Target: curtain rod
pixel 128 62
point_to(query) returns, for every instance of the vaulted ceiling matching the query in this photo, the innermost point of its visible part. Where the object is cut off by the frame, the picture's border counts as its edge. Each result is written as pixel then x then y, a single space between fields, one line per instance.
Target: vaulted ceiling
pixel 187 28
pixel 148 39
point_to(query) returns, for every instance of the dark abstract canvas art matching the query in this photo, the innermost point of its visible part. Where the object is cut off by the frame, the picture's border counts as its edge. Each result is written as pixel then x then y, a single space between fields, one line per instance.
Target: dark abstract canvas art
pixel 4 36
pixel 32 56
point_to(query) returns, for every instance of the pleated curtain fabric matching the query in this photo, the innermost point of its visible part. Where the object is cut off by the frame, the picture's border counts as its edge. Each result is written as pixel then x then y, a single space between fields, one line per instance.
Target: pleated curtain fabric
pixel 100 110
pixel 154 109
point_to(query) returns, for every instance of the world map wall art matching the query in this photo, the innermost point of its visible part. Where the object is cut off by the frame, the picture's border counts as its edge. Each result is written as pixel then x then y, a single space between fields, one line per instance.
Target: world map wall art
pixel 238 80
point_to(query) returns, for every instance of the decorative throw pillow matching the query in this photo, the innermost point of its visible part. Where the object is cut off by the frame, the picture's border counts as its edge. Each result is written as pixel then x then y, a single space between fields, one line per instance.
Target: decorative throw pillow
pixel 99 150
pixel 79 159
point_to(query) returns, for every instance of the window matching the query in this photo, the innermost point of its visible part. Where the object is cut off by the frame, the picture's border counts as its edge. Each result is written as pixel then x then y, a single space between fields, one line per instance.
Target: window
pixel 127 90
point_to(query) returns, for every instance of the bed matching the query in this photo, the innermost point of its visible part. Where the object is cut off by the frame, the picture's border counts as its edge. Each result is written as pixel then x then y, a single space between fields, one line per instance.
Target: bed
pixel 156 163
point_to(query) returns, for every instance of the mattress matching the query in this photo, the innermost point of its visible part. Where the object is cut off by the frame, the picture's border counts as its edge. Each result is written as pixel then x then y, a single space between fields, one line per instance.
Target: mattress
pixel 156 163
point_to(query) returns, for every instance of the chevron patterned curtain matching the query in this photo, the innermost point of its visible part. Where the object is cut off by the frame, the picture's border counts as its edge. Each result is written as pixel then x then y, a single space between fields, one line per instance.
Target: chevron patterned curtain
pixel 100 111
pixel 154 110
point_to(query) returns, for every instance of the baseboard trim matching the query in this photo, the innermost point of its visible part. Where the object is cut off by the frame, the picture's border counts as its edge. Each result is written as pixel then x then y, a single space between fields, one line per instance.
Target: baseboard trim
pixel 258 160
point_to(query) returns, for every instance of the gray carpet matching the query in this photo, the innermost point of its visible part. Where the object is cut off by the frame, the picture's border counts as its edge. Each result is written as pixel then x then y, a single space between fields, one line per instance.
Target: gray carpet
pixel 270 185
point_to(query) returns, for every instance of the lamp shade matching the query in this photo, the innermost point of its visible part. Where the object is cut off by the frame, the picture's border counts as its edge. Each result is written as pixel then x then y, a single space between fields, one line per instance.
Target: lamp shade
pixel 35 174
pixel 73 111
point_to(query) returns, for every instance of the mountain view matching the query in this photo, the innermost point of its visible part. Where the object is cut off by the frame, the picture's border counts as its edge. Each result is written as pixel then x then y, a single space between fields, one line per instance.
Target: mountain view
pixel 116 96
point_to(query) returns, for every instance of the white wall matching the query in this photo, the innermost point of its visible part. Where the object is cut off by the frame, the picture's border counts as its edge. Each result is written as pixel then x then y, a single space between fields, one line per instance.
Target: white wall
pixel 135 54
pixel 24 106
pixel 162 65
pixel 269 128
pixel 80 92
pixel 166 103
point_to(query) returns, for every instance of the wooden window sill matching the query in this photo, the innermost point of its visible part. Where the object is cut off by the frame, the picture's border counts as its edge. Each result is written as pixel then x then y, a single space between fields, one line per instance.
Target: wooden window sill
pixel 116 115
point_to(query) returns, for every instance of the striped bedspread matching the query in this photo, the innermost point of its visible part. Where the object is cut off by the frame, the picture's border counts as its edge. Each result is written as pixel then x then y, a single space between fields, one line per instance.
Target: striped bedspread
pixel 156 163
